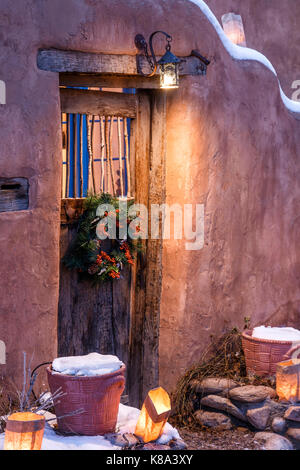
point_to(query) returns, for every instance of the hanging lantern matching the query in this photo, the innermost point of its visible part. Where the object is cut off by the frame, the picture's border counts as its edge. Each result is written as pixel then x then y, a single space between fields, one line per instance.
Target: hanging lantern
pixel 24 431
pixel 154 415
pixel 168 64
pixel 234 28
pixel 288 377
pixel 169 70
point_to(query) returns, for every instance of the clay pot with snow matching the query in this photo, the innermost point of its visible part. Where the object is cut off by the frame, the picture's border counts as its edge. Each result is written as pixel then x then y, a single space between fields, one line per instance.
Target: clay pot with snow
pixel 263 354
pixel 97 395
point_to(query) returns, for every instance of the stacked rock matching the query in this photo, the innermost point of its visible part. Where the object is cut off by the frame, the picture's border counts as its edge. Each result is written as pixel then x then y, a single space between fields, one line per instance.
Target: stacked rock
pixel 292 419
pixel 132 442
pixel 224 404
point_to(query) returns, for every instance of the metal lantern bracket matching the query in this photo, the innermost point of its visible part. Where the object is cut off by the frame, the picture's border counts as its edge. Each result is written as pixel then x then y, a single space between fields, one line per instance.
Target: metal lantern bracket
pixel 204 62
pixel 142 46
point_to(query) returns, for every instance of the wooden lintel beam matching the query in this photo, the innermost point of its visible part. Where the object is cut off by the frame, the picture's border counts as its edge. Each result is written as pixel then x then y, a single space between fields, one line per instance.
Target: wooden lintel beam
pixel 97 103
pixel 55 60
pixel 107 81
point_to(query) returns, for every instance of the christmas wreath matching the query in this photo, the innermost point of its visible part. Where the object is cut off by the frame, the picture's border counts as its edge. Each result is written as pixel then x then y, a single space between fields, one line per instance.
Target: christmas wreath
pixel 103 259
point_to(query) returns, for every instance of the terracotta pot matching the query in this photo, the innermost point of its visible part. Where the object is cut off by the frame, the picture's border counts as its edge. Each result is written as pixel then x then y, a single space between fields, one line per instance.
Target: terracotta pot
pixel 98 396
pixel 263 355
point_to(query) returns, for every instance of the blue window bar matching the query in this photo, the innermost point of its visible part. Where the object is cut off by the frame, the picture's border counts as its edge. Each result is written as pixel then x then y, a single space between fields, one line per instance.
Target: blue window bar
pixel 96 155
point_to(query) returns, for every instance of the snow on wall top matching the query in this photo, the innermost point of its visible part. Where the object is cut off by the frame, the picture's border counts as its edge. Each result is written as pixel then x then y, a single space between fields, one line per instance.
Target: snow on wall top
pixel 244 53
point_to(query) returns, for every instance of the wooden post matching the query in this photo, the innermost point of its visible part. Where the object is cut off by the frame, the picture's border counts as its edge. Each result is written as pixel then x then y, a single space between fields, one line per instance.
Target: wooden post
pixel 102 152
pixel 91 172
pixel 127 157
pixel 138 296
pixel 120 155
pixel 110 156
pixel 150 153
pixel 157 183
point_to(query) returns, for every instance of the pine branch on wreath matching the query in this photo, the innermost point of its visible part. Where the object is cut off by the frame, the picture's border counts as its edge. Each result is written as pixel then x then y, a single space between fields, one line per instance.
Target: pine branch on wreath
pixel 102 260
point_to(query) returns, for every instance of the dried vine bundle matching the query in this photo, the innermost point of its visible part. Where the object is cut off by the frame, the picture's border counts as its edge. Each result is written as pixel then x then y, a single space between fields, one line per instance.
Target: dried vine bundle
pixel 223 358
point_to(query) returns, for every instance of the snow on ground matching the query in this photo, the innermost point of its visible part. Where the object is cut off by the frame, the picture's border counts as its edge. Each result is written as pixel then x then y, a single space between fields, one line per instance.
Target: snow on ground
pixel 127 419
pixel 244 53
pixel 90 365
pixel 276 333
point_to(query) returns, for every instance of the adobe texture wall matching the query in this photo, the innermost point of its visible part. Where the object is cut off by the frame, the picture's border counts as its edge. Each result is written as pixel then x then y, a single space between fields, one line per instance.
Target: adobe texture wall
pixel 237 163
pixel 231 145
pixel 271 27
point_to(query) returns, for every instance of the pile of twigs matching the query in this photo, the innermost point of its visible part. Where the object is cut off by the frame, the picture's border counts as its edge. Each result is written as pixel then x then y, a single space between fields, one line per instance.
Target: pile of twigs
pixel 223 358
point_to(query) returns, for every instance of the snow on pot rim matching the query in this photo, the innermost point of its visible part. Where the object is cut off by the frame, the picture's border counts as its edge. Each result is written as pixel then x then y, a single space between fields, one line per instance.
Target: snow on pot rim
pixel 86 377
pixel 276 334
pixel 90 365
pixel 247 334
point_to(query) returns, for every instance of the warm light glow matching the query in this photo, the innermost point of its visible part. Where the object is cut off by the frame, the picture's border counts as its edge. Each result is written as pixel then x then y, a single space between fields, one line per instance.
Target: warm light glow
pixel 24 431
pixel 234 28
pixel 160 399
pixel 169 77
pixel 154 415
pixel 288 380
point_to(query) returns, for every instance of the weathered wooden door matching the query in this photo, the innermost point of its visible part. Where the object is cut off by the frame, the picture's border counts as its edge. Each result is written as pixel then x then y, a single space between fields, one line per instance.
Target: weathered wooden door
pixel 92 318
pixel 119 317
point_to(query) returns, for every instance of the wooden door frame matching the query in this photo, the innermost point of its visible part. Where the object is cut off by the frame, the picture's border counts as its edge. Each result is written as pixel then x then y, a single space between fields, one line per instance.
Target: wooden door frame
pixel 148 144
pixel 150 180
pixel 78 68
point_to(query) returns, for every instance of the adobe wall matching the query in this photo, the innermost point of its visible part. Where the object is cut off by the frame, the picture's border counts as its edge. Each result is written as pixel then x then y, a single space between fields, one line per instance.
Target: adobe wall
pixel 271 27
pixel 231 145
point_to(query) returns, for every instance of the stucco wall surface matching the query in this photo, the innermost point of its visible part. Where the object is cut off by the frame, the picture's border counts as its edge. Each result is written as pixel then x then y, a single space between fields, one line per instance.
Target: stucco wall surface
pixel 272 28
pixel 231 145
